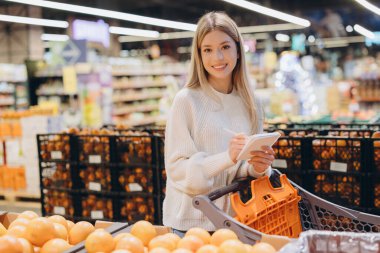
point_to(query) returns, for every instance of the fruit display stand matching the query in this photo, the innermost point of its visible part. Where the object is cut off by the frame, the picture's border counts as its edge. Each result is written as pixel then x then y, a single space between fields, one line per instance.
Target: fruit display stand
pixel 105 174
pixel 335 164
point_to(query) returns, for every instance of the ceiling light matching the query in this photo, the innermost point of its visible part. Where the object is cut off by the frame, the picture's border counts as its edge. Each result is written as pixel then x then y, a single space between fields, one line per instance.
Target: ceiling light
pixel 349 29
pixel 34 21
pixel 244 30
pixel 369 6
pixel 311 39
pixel 54 37
pixel 109 14
pixel 282 37
pixel 363 31
pixel 134 32
pixel 270 12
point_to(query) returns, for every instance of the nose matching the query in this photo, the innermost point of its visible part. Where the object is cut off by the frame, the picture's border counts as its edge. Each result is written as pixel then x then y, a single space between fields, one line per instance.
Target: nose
pixel 219 54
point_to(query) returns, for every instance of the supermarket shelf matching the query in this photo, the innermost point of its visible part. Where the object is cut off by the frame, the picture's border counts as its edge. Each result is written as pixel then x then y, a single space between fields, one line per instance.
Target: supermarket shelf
pixel 145 121
pixel 136 85
pixel 140 72
pixel 53 94
pixel 131 109
pixel 136 97
pixel 19 195
pixel 370 100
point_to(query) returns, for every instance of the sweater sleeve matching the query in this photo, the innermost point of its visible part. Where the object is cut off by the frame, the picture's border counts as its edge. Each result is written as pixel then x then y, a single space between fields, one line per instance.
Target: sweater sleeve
pixel 189 169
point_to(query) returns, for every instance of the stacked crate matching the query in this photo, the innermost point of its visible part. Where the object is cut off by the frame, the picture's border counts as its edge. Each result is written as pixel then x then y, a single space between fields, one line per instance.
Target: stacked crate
pixel 105 175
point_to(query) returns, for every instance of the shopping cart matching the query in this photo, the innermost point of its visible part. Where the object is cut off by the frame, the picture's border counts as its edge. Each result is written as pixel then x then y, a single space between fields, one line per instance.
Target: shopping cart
pixel 314 213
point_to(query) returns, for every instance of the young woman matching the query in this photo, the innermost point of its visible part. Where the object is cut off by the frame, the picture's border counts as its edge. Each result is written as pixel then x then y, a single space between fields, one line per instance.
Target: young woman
pixel 200 147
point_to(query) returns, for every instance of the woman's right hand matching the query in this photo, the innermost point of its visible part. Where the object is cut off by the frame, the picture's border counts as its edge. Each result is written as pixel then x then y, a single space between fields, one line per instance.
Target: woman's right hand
pixel 236 145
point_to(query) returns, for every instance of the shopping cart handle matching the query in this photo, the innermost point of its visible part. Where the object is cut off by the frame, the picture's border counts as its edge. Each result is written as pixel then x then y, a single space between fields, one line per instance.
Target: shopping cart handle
pixel 243 183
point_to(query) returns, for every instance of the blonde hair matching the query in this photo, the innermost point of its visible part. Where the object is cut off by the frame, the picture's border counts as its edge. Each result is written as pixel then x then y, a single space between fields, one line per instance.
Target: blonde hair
pixel 198 75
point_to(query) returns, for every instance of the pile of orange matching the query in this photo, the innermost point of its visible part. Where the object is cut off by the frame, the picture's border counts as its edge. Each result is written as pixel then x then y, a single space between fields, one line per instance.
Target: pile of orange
pixel 143 238
pixel 30 233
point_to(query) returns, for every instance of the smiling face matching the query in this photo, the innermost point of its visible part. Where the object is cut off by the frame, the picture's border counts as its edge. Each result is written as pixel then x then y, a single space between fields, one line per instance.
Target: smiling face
pixel 219 56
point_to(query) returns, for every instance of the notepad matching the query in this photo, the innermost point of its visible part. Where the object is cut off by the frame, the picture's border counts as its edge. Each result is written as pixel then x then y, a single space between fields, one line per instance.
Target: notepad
pixel 255 142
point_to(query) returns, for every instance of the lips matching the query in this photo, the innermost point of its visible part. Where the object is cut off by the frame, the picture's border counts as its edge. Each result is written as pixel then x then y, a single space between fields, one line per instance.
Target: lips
pixel 220 67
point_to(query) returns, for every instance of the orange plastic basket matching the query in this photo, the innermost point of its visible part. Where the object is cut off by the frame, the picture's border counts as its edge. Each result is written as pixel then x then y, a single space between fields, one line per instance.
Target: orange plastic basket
pixel 271 210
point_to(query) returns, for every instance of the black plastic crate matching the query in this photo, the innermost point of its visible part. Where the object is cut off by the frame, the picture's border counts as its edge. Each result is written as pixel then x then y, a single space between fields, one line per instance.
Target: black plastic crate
pixel 346 189
pixel 289 153
pixel 56 175
pixel 55 147
pixel 57 201
pixel 94 149
pixel 95 177
pixel 374 144
pixel 134 207
pixel 136 179
pixel 96 206
pixel 339 154
pixel 349 132
pixel 135 149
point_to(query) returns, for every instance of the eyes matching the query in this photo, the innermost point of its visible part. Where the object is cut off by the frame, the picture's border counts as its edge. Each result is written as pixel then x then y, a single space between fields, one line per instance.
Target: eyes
pixel 209 50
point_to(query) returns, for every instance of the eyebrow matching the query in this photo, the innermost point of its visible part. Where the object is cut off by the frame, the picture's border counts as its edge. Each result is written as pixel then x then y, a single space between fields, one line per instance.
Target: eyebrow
pixel 224 42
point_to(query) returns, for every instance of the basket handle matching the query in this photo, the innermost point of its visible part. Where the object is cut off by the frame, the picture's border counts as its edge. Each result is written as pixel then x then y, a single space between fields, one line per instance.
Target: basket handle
pixel 222 220
pixel 243 183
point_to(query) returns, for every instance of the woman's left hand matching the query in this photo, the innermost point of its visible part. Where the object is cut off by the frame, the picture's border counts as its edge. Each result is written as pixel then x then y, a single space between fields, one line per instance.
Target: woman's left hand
pixel 261 160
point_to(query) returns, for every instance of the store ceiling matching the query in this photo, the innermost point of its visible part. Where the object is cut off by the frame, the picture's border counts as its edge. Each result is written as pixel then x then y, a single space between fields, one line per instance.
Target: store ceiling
pixel 190 10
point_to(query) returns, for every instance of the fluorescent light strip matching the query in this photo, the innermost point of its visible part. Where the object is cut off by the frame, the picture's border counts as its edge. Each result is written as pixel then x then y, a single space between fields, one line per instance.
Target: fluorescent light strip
pixel 109 14
pixel 270 12
pixel 134 32
pixel 282 37
pixel 369 6
pixel 34 21
pixel 363 31
pixel 243 30
pixel 54 37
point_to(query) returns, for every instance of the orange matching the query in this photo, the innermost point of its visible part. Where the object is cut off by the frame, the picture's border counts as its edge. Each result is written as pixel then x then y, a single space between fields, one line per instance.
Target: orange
pixel 263 247
pixel 160 250
pixel 182 251
pixel 130 243
pixel 232 246
pixel 190 242
pixel 56 245
pixel 60 231
pixel 99 241
pixel 26 245
pixel 121 251
pixel 222 235
pixel 173 237
pixel 17 231
pixel 119 236
pixel 59 219
pixel 144 230
pixel 70 224
pixel 201 233
pixel 162 241
pixel 30 215
pixel 3 230
pixel 209 248
pixel 248 248
pixel 80 231
pixel 10 244
pixel 19 221
pixel 39 231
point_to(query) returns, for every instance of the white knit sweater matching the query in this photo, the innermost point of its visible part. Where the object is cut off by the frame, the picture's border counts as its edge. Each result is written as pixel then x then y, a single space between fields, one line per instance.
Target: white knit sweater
pixel 196 153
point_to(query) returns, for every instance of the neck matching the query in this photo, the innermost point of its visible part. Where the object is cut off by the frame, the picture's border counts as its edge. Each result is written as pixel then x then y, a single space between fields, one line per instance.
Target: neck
pixel 221 85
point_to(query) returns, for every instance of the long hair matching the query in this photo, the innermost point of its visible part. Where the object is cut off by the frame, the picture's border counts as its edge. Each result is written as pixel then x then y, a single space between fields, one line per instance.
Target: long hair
pixel 198 75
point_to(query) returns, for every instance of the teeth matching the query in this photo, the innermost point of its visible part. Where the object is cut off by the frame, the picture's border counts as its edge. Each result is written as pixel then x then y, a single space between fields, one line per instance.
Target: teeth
pixel 220 66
